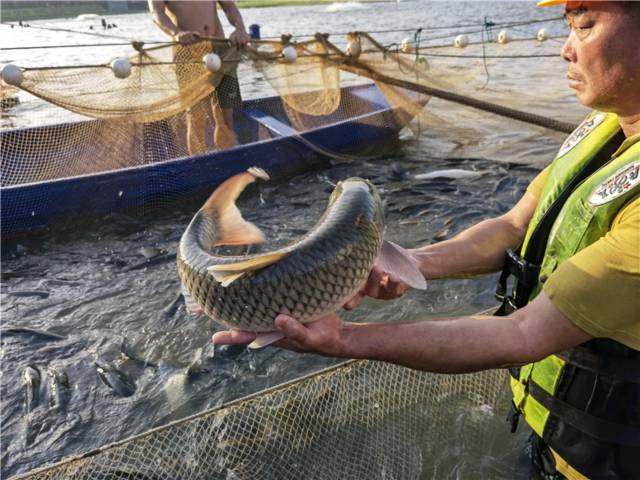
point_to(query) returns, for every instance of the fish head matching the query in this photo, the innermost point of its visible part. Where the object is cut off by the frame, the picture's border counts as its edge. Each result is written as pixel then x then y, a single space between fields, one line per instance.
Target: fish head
pixel 357 187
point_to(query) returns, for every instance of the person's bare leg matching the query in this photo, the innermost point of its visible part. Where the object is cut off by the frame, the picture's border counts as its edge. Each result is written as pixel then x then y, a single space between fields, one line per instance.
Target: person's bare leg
pixel 223 134
pixel 197 123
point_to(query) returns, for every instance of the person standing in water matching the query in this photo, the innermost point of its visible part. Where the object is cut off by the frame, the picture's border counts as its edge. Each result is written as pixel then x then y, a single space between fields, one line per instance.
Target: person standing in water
pixel 189 22
pixel 570 329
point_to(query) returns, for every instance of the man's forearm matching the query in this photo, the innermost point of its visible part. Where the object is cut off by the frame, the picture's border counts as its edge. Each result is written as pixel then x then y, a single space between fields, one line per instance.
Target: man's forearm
pixel 232 13
pixel 477 250
pixel 161 19
pixel 437 345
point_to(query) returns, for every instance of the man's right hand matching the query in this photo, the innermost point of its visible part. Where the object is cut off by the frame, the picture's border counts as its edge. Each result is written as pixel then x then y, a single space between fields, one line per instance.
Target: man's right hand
pixel 380 285
pixel 187 37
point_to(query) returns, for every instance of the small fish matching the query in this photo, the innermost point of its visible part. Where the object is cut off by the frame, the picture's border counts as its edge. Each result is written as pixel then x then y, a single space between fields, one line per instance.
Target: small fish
pixel 151 252
pixel 171 309
pixel 31 380
pixel 59 390
pixel 115 379
pixel 30 293
pixel 162 258
pixel 128 351
pixel 453 173
pixel 35 334
pixel 313 276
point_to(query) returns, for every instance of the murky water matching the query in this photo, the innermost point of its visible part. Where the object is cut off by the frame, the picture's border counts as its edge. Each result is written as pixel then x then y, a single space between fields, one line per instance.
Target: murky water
pixel 94 314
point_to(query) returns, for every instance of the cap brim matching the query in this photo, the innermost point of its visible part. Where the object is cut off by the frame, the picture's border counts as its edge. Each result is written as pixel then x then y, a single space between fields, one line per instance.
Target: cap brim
pixel 548 3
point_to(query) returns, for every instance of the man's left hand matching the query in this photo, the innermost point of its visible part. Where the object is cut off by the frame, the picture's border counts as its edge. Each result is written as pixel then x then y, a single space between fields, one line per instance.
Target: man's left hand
pixel 324 336
pixel 239 38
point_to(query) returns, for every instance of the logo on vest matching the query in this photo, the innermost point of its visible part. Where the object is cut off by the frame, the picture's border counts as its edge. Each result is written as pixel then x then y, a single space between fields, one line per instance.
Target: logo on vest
pixel 617 184
pixel 579 133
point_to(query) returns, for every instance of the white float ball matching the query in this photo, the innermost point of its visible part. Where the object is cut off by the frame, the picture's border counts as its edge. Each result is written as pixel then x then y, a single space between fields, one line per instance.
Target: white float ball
pixel 406 46
pixel 504 37
pixel 542 35
pixel 212 61
pixel 121 67
pixel 461 41
pixel 289 54
pixel 353 48
pixel 12 74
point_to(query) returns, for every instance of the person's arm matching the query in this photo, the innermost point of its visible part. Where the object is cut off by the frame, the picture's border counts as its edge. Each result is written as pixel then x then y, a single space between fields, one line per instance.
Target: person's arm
pixel 455 345
pixel 240 36
pixel 478 249
pixel 162 20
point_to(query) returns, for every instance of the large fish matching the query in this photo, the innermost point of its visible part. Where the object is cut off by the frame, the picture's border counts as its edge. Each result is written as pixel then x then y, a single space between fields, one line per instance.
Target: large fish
pixel 311 277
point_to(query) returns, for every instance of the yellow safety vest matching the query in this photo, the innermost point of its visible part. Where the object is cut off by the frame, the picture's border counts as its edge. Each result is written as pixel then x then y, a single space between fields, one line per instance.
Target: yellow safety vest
pixel 585 402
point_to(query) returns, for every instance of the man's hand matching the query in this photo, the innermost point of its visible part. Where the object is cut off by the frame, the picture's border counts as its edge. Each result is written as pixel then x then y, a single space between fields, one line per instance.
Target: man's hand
pixel 187 37
pixel 239 38
pixel 324 336
pixel 380 285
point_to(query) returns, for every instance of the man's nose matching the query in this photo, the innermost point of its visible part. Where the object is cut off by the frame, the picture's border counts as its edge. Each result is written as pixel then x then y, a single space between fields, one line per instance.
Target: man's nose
pixel 568 52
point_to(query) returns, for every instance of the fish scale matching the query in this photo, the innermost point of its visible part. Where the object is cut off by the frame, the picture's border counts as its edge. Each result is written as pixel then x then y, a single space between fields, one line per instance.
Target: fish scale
pixel 317 274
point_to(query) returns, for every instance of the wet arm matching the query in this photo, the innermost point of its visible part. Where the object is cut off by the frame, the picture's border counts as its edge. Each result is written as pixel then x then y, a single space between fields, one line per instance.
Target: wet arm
pixel 160 18
pixel 456 345
pixel 478 249
pixel 233 14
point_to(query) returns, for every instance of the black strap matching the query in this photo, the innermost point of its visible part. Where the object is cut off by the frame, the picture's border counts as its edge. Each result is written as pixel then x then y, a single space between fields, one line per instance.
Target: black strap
pixel 598 428
pixel 617 368
pixel 529 265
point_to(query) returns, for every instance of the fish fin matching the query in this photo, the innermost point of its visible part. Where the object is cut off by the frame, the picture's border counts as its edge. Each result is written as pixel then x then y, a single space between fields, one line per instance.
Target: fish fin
pixel 264 339
pixel 222 272
pixel 227 279
pixel 234 230
pixel 190 303
pixel 397 261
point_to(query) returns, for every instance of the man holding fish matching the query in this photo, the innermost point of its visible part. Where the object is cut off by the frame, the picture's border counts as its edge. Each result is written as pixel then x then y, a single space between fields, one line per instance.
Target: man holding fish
pixel 570 329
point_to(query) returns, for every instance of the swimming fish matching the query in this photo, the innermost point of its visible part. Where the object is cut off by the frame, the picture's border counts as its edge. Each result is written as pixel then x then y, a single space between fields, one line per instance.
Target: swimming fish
pixel 453 173
pixel 312 276
pixel 115 379
pixel 31 379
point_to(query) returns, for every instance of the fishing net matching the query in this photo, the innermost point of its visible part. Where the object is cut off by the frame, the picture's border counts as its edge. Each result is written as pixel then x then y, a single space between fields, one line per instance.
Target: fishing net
pixel 162 103
pixel 358 420
pixel 131 136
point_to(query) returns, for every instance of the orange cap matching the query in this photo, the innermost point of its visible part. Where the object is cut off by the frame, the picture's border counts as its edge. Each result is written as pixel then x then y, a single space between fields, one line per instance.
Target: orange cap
pixel 547 3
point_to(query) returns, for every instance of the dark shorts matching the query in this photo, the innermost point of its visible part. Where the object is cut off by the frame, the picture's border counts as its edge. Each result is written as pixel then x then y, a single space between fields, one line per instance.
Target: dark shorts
pixel 227 92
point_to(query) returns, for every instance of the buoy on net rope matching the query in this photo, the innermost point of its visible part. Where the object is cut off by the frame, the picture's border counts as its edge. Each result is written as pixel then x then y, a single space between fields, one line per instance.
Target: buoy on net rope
pixel 121 67
pixel 289 54
pixel 12 74
pixel 504 37
pixel 542 35
pixel 406 46
pixel 212 61
pixel 353 48
pixel 461 41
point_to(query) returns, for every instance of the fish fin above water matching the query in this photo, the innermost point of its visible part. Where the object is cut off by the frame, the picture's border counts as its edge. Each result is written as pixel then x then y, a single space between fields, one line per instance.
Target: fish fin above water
pixel 227 273
pixel 264 339
pixel 189 302
pixel 233 228
pixel 397 261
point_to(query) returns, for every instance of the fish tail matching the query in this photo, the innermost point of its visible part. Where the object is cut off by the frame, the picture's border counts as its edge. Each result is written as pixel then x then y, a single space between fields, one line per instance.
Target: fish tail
pixel 220 211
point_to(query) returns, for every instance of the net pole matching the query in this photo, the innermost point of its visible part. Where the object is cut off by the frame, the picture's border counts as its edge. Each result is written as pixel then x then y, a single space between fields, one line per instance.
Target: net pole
pixel 353 65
